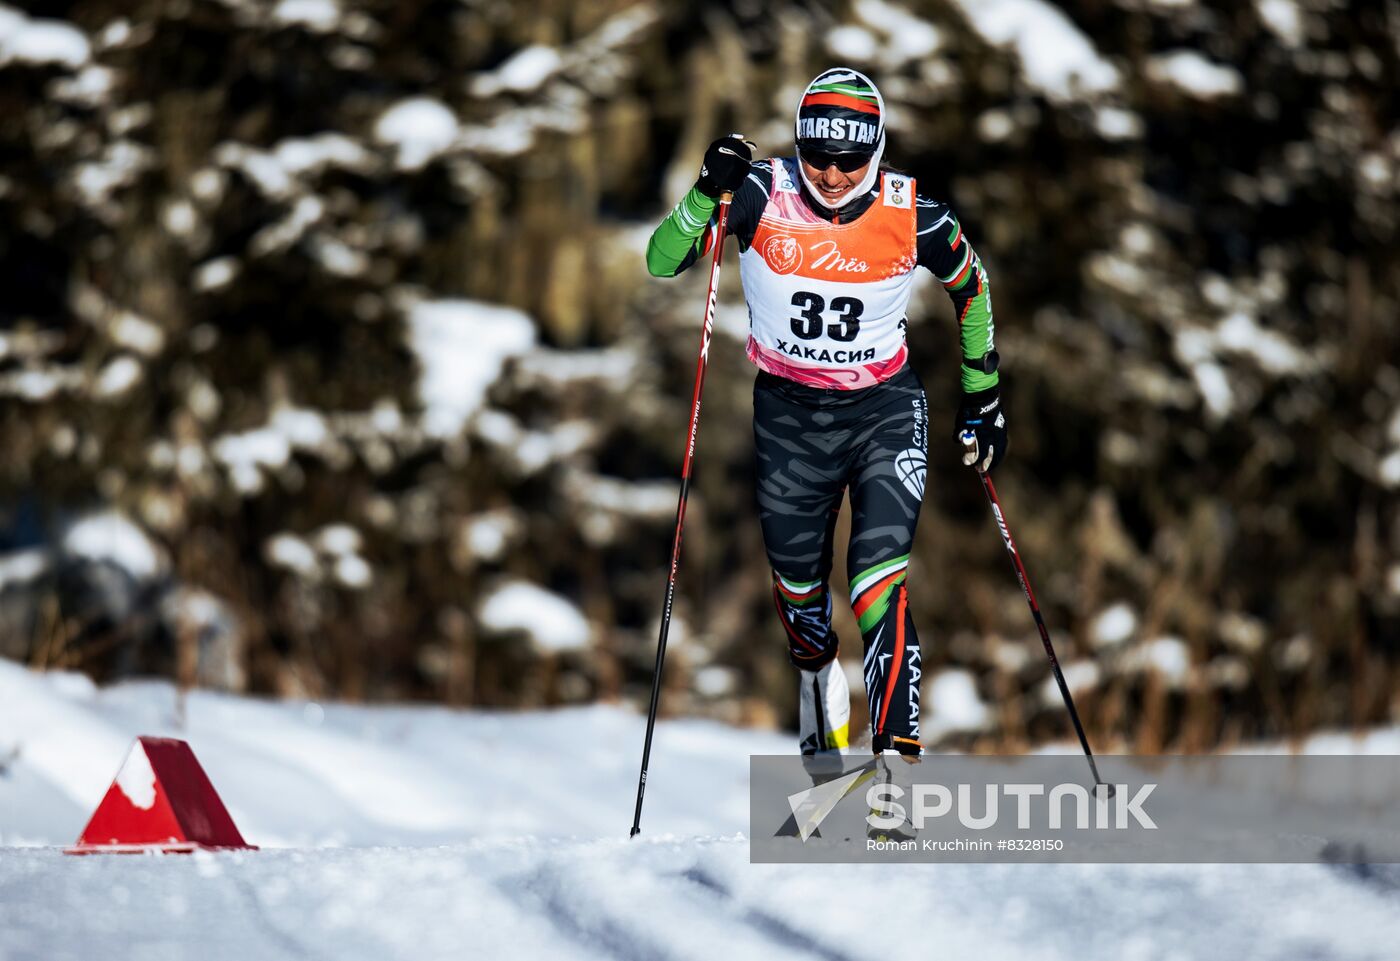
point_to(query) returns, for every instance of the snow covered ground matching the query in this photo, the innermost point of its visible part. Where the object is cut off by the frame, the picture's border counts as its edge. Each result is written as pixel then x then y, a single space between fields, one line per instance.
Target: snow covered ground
pixel 422 833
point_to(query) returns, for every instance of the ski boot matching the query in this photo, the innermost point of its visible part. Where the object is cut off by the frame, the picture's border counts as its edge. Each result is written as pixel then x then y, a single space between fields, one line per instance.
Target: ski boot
pixel 824 710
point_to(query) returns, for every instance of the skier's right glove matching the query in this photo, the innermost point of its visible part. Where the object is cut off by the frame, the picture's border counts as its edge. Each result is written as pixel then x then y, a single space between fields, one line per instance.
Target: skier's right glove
pixel 726 165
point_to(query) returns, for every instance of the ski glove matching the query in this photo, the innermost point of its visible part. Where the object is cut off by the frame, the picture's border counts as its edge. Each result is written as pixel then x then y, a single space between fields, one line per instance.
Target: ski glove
pixel 726 165
pixel 981 429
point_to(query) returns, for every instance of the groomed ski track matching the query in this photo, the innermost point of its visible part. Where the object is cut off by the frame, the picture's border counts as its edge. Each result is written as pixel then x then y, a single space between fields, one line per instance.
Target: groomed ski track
pixel 421 833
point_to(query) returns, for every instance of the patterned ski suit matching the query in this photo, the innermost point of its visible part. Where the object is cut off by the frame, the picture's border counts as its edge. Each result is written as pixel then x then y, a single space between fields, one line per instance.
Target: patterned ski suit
pixel 837 407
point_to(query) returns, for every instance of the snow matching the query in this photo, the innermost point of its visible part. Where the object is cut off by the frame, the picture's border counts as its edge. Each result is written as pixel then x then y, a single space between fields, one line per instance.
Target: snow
pixel 550 621
pixel 290 552
pixel 951 703
pixel 1284 18
pixel 1389 469
pixel 279 236
pixel 852 43
pixel 117 377
pixel 1113 625
pixel 304 428
pixel 461 346
pixel 22 567
pixel 995 125
pixel 1056 57
pixel 513 132
pixel 1195 75
pixel 110 537
pixel 339 543
pixel 1275 353
pixel 537 449
pixel 655 500
pixel 353 572
pixel 41 42
pixel 1242 632
pixel 715 681
pixel 215 274
pixel 244 453
pixel 138 334
pixel 265 170
pixel 1079 676
pixel 321 16
pixel 526 70
pixel 90 88
pixel 423 833
pixel 339 539
pixel 338 258
pixel 420 128
pixel 559 368
pixel 207 185
pixel 304 156
pixel 1169 656
pixel 487 536
pixel 1199 349
pixel 115 34
pixel 906 37
pixel 1214 386
pixel 1375 171
pixel 1295 653
pixel 40 383
pixel 118 167
pixel 270 446
pixel 1115 123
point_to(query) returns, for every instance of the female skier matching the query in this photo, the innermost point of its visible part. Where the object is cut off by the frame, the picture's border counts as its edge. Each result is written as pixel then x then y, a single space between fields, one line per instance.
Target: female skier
pixel 828 243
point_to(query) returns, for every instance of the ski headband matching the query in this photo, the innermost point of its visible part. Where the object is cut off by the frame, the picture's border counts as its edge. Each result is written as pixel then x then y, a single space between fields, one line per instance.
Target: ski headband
pixel 841 112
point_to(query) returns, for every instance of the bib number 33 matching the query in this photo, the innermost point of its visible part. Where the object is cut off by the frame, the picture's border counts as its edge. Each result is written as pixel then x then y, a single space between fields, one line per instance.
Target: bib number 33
pixel 809 325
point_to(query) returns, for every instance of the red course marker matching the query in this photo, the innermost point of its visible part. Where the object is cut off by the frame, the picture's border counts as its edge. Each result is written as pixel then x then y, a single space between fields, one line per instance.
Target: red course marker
pixel 161 801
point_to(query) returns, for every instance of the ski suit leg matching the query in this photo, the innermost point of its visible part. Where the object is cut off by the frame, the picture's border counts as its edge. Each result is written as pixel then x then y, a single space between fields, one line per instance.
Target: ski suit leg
pixel 800 483
pixel 887 490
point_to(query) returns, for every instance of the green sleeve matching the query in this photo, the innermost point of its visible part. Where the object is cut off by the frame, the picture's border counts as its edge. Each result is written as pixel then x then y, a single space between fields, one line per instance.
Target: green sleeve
pixel 674 238
pixel 976 328
pixel 971 292
pixel 948 254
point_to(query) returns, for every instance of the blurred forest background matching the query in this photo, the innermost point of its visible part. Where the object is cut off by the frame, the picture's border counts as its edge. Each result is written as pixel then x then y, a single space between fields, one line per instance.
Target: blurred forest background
pixel 330 367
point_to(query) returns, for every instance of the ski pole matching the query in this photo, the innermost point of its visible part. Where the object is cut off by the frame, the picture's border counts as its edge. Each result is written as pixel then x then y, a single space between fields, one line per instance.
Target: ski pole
pixel 969 439
pixel 710 300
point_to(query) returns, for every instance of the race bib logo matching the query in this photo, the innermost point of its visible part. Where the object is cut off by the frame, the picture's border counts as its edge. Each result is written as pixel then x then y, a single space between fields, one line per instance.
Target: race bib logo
pixel 897 193
pixel 782 254
pixel 830 258
pixel 912 467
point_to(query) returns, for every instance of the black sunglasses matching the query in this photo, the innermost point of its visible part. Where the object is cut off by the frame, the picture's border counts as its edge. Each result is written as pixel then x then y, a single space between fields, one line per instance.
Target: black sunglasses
pixel 845 162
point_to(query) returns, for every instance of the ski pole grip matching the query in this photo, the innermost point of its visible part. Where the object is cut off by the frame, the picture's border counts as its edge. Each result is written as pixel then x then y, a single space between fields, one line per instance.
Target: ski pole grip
pixel 968 438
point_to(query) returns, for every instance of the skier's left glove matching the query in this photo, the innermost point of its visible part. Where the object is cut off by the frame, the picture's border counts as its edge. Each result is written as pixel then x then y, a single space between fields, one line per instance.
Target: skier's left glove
pixel 981 429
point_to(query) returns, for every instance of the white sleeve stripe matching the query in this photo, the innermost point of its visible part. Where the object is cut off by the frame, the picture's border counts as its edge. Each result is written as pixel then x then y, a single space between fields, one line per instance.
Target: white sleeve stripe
pixel 688 221
pixel 939 222
pixel 967 257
